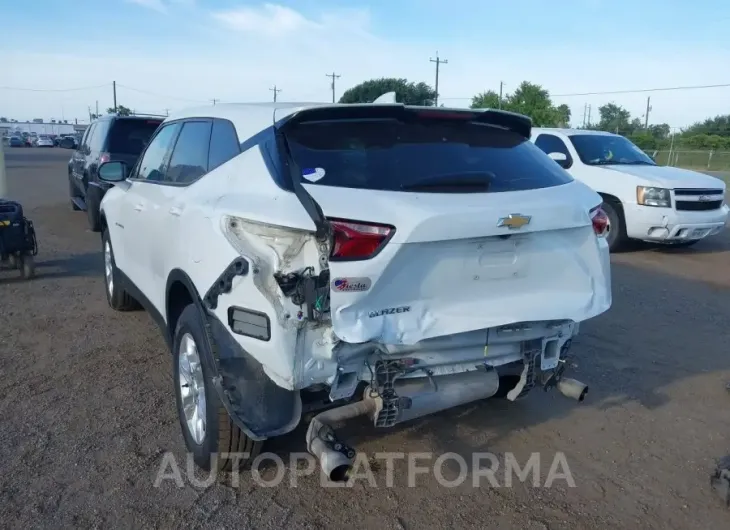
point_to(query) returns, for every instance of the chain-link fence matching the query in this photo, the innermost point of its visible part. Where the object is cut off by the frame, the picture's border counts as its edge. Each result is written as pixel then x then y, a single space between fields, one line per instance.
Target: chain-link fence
pixel 706 160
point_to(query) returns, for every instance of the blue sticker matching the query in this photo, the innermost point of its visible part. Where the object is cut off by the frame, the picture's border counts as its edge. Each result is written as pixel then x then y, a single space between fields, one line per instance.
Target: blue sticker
pixel 313 174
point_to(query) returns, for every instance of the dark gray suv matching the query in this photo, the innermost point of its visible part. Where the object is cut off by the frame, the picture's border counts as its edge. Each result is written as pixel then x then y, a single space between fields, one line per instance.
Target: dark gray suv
pixel 110 138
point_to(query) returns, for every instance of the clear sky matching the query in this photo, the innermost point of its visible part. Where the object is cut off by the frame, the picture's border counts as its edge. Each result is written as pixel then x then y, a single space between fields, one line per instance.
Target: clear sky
pixel 177 53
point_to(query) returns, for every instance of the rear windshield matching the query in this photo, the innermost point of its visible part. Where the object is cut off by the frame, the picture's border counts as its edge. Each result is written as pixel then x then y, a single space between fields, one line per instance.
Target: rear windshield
pixel 130 137
pixel 426 155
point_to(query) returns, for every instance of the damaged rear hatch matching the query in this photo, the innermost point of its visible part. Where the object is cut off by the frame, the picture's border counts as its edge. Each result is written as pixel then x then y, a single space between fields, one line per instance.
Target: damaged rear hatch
pixel 445 222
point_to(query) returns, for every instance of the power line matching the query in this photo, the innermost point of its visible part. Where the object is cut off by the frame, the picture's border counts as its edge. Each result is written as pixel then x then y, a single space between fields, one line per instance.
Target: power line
pixel 158 95
pixel 438 62
pixel 334 76
pixel 634 91
pixel 53 89
pixel 640 90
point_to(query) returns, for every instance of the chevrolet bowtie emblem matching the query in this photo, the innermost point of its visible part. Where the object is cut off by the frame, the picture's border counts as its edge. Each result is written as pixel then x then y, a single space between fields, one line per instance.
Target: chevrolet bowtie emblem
pixel 514 221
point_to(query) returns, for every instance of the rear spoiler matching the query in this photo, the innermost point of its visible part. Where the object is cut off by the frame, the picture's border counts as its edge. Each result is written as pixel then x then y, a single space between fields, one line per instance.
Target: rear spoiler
pixel 510 121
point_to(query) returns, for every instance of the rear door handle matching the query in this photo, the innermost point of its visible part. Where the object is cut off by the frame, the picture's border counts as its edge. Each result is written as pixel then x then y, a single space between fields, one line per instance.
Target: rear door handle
pixel 176 210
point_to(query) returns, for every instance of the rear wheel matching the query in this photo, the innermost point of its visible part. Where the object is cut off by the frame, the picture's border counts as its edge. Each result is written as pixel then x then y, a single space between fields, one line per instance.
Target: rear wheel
pixel 117 297
pixel 207 428
pixel 616 237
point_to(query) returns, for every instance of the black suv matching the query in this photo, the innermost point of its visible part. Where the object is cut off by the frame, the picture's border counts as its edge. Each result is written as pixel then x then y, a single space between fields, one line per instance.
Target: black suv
pixel 119 138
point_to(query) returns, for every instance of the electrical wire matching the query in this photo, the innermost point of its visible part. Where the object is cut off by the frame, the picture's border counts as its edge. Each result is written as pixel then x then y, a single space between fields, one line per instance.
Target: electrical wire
pixel 632 91
pixel 54 89
pixel 158 95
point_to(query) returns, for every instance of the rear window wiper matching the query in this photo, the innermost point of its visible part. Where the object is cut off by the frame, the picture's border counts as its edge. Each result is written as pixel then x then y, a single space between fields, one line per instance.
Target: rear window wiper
pixel 451 184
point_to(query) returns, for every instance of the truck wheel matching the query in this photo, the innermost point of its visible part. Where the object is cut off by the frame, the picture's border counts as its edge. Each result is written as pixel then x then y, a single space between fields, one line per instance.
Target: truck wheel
pixel 616 236
pixel 116 296
pixel 207 428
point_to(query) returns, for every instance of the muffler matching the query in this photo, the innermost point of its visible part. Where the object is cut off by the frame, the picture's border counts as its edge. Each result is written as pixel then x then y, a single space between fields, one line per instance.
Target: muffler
pixel 572 388
pixel 417 397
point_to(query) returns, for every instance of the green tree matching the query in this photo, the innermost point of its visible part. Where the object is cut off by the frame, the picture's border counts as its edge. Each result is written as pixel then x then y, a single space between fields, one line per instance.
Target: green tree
pixel 614 118
pixel 121 111
pixel 406 92
pixel 719 125
pixel 563 115
pixel 529 99
pixel 485 100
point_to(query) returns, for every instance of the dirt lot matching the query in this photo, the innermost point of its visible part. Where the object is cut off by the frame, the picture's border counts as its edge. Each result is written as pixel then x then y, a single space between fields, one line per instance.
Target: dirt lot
pixel 88 412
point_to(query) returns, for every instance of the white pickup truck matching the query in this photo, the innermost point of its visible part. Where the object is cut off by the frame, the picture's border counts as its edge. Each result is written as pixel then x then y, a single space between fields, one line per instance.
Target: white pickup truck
pixel 642 200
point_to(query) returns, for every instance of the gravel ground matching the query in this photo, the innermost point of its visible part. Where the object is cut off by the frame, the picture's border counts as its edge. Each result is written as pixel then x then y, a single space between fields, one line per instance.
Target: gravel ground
pixel 88 413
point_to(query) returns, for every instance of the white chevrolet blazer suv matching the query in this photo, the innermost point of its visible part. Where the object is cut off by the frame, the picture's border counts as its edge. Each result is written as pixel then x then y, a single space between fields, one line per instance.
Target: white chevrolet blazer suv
pixel 374 260
pixel 642 200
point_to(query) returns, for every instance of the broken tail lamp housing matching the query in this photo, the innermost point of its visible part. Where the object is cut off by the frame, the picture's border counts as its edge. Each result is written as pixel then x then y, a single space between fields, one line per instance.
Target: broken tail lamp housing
pixel 600 221
pixel 358 240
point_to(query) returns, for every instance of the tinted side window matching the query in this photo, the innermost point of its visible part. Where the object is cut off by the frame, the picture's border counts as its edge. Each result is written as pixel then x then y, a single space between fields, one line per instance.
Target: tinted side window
pixel 97 141
pixel 88 137
pixel 151 167
pixel 130 136
pixel 551 144
pixel 189 159
pixel 223 144
pixel 85 137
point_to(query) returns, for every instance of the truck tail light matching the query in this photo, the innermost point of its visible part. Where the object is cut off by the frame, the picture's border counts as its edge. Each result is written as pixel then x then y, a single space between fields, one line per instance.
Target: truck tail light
pixel 600 221
pixel 104 157
pixel 354 240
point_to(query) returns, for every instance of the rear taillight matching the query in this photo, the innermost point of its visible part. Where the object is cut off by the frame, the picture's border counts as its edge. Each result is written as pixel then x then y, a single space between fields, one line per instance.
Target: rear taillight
pixel 600 221
pixel 104 157
pixel 356 240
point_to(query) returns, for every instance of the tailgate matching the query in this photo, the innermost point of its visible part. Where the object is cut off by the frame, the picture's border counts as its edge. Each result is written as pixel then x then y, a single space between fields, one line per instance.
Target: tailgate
pixel 446 222
pixel 449 268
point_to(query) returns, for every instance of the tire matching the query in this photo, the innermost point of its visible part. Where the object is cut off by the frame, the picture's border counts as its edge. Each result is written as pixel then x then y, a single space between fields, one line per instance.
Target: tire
pixel 116 296
pixel 26 264
pixel 72 193
pixel 92 209
pixel 219 434
pixel 616 237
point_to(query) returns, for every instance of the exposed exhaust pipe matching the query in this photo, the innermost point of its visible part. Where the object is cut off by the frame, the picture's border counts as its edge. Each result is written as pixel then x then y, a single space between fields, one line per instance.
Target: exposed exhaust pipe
pixel 572 388
pixel 335 457
pixel 420 396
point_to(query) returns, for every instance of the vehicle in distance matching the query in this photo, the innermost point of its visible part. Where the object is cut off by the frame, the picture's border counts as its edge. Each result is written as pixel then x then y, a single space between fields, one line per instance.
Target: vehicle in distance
pixel 381 260
pixel 68 142
pixel 16 141
pixel 44 141
pixel 642 200
pixel 112 137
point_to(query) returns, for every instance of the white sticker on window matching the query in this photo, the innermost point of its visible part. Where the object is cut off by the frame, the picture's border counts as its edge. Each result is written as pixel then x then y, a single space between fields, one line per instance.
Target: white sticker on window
pixel 313 174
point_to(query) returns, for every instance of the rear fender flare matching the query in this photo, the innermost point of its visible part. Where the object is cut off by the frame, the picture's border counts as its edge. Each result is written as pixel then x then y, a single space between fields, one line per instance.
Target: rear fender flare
pixel 257 405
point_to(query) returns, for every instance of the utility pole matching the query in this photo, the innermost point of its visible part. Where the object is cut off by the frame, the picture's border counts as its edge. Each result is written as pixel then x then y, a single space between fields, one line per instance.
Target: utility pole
pixel 648 109
pixel 97 108
pixel 89 114
pixel 333 76
pixel 167 112
pixel 114 85
pixel 438 62
pixel 585 114
pixel 276 91
pixel 215 101
pixel 589 115
pixel 501 85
